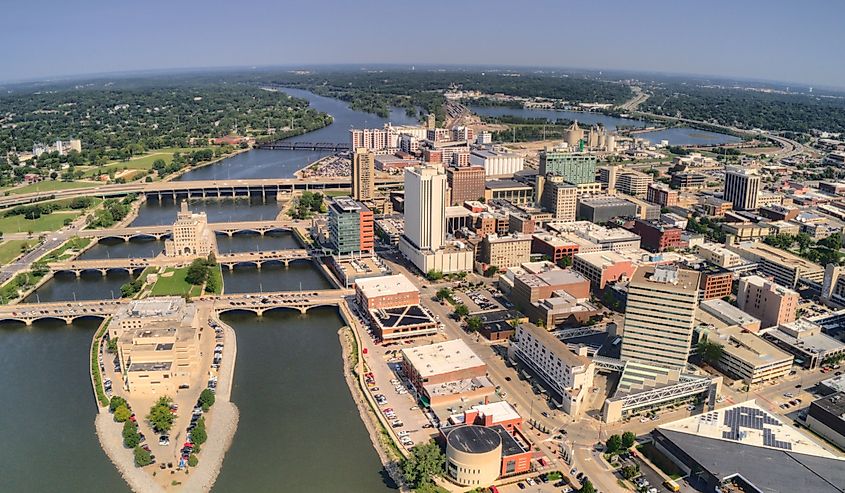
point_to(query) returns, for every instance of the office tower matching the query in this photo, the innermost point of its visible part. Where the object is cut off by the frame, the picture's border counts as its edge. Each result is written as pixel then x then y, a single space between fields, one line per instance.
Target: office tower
pixel 660 315
pixel 350 226
pixel 608 175
pixel 425 207
pixel 771 303
pixel 560 198
pixel 634 183
pixel 575 167
pixel 466 182
pixel 742 188
pixel 430 121
pixel 363 175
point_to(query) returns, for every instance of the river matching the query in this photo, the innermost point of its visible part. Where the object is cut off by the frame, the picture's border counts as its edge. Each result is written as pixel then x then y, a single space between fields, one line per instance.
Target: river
pixel 47 411
pixel 299 428
pixel 282 164
pixel 680 136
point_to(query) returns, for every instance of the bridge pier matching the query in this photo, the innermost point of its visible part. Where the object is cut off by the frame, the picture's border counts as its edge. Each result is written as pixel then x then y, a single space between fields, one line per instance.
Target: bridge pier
pixel 303 310
pixel 287 262
pixel 231 267
pixel 258 264
pixel 104 272
pixel 78 273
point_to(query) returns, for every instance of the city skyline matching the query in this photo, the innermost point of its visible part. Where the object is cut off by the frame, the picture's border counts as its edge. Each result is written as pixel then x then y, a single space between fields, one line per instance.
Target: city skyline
pixel 750 41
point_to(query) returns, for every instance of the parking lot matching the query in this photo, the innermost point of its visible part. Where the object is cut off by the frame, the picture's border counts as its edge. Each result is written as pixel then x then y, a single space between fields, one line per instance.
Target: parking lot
pixel 394 395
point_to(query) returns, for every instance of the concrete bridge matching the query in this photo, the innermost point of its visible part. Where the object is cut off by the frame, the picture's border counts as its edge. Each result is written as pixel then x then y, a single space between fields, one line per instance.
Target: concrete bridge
pixel 138 264
pixel 268 187
pixel 165 230
pixel 302 301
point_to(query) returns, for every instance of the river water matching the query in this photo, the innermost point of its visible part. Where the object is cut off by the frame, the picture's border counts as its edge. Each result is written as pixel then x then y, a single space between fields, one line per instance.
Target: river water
pixel 47 411
pixel 282 164
pixel 680 136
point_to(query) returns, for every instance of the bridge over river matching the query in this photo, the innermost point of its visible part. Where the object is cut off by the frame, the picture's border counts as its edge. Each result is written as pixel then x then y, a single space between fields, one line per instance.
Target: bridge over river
pixel 258 303
pixel 165 230
pixel 131 265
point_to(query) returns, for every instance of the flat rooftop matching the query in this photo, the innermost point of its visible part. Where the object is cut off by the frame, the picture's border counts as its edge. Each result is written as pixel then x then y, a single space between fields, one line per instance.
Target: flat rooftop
pixel 442 357
pixel 725 312
pixel 669 278
pixel 776 255
pixel 161 366
pixel 505 184
pixel 834 404
pixel 749 347
pixel 403 316
pixel 373 287
pixel 554 345
pixel 602 259
pixel 156 307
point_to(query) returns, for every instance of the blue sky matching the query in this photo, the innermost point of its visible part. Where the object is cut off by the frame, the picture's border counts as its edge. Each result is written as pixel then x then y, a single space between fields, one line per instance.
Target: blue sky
pixel 773 40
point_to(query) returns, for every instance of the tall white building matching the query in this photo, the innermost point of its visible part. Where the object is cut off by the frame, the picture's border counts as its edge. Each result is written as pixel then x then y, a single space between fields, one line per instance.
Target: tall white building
pixel 425 211
pixel 660 315
pixel 497 162
pixel 424 241
pixel 742 188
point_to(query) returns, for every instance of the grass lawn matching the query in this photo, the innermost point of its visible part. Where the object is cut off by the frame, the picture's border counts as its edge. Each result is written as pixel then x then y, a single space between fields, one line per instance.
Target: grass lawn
pixel 174 285
pixel 143 163
pixel 52 186
pixel 217 274
pixel 47 222
pixel 10 249
pixel 61 253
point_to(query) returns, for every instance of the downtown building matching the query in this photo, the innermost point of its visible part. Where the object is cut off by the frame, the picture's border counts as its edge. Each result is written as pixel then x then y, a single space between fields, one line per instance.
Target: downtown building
pixel 742 188
pixel 363 174
pixel 424 240
pixel 575 167
pixel 466 183
pixel 350 227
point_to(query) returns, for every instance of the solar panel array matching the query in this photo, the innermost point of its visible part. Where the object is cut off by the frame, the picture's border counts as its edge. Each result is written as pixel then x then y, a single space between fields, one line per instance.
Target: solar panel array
pixel 748 417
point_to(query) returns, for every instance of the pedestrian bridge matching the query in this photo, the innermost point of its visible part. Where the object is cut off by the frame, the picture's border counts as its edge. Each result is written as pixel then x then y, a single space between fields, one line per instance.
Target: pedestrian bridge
pixel 257 303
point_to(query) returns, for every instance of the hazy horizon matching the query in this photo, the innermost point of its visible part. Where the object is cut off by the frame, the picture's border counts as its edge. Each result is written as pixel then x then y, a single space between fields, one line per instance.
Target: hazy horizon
pixel 750 41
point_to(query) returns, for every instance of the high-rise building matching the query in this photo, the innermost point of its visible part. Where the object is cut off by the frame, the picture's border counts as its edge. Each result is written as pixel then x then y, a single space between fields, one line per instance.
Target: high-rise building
pixel 634 183
pixel 363 174
pixel 466 182
pixel 425 206
pixel 560 198
pixel 350 226
pixel 608 175
pixel 771 303
pixel 742 188
pixel 575 167
pixel 430 121
pixel 660 315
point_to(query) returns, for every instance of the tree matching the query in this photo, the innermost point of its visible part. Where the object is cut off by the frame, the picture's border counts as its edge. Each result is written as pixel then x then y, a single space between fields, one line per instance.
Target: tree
pixel 434 275
pixel 630 471
pixel 587 487
pixel 426 462
pixel 443 294
pixel 142 457
pixel 628 439
pixel 613 444
pixel 160 416
pixel 490 271
pixel 565 262
pixel 132 440
pixel 116 402
pixel 122 413
pixel 193 460
pixel 206 399
pixel 197 272
pixel 199 435
pixel 474 324
pixel 710 351
pixel 129 428
pixel 461 310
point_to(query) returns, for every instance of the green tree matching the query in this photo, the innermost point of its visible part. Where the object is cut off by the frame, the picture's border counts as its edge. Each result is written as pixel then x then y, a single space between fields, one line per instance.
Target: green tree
pixel 199 435
pixel 587 487
pixel 443 294
pixel 426 462
pixel 474 324
pixel 122 413
pixel 613 444
pixel 116 402
pixel 434 275
pixel 490 271
pixel 193 460
pixel 197 272
pixel 628 439
pixel 710 351
pixel 160 416
pixel 565 262
pixel 630 471
pixel 132 440
pixel 461 310
pixel 206 399
pixel 142 457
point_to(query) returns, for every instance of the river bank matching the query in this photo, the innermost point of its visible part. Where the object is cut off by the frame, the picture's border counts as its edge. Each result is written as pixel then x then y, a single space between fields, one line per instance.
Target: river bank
pixel 222 423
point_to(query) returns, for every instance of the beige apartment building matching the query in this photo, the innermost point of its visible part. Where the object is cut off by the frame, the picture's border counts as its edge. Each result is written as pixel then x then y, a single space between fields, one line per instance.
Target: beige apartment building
pixel 771 303
pixel 191 235
pixel 560 198
pixel 634 183
pixel 660 316
pixel 506 251
pixel 363 174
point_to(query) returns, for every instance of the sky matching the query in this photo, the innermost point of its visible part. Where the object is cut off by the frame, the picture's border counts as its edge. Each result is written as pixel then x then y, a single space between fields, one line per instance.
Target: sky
pixel 798 42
